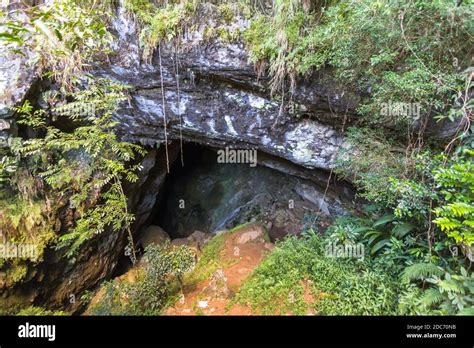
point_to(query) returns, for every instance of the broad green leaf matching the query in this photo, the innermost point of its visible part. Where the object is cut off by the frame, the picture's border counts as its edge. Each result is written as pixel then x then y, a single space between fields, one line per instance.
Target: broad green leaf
pixel 384 219
pixel 379 245
pixel 400 230
pixel 362 229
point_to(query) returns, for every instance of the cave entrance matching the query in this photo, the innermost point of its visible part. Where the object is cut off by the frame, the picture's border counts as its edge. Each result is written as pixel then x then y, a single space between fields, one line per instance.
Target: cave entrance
pixel 208 196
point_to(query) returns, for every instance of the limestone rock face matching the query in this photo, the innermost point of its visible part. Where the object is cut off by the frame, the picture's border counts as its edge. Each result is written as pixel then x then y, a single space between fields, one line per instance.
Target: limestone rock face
pixel 16 81
pixel 213 96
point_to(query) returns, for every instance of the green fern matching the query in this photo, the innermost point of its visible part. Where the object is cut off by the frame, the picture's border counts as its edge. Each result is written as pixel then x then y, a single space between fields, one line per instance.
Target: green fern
pixel 420 271
pixel 432 297
pixel 87 165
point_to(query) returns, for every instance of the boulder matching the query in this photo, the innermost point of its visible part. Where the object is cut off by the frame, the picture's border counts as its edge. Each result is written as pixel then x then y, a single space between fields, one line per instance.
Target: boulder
pixel 180 241
pixel 255 235
pixel 217 287
pixel 186 241
pixel 200 238
pixel 154 235
pixel 314 196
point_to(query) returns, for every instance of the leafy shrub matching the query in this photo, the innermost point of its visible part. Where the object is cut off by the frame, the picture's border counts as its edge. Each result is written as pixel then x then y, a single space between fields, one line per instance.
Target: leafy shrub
pixel 164 265
pixel 164 268
pixel 386 176
pixel 388 239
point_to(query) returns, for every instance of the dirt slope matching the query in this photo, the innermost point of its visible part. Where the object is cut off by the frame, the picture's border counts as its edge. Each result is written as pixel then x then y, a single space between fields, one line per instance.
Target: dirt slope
pixel 237 256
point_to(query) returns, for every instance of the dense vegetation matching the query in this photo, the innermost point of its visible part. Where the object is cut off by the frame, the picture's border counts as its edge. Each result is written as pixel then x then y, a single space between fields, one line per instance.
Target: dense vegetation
pixel 85 167
pixel 418 226
pixel 416 53
pixel 154 287
pixel 397 276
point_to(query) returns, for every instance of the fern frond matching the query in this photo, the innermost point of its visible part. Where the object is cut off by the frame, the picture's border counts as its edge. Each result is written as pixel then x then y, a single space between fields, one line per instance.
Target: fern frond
pixel 431 297
pixel 420 271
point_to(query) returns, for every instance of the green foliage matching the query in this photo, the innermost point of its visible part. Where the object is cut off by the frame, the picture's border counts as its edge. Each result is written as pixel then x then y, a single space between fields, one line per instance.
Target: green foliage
pixel 391 242
pixel 411 186
pixel 164 267
pixel 8 165
pixel 400 182
pixel 39 175
pixel 162 21
pixel 432 281
pixel 165 24
pixel 163 262
pixel 27 223
pixel 456 291
pixel 410 52
pixel 375 234
pixel 340 286
pixel 455 183
pixel 420 271
pixel 87 165
pixel 64 35
pixel 167 21
pixel 449 293
pixel 39 311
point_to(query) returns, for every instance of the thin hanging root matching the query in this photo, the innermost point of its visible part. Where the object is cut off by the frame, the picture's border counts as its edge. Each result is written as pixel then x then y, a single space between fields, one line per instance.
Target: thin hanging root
pixel 337 151
pixel 282 104
pixel 179 106
pixel 133 256
pixel 164 110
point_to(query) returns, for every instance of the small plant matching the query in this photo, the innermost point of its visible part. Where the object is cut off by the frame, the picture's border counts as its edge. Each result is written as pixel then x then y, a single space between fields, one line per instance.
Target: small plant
pixel 165 265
